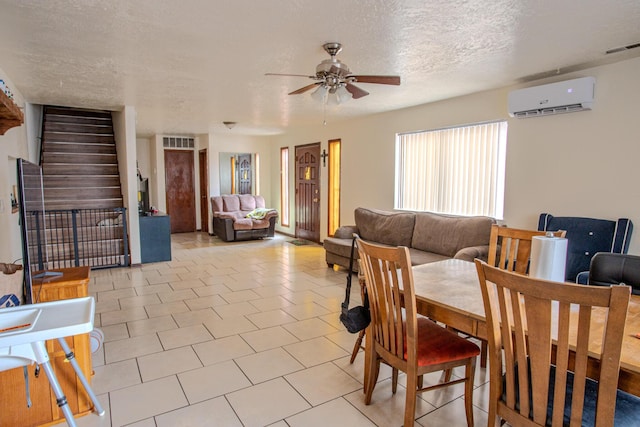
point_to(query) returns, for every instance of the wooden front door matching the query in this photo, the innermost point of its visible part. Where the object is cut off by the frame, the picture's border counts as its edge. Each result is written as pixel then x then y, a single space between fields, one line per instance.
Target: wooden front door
pixel 244 174
pixel 180 188
pixel 308 192
pixel 204 191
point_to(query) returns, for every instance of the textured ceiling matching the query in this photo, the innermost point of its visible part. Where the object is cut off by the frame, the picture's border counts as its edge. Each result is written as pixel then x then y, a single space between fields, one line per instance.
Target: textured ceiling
pixel 188 66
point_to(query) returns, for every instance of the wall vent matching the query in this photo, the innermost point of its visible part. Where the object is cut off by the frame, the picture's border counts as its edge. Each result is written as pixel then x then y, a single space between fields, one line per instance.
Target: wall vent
pixel 178 142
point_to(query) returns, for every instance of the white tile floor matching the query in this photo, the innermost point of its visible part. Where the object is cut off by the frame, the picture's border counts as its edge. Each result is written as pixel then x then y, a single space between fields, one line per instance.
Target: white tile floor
pixel 242 334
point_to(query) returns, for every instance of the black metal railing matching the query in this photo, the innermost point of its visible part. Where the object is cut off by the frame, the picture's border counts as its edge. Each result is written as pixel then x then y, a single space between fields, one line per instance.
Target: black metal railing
pixel 78 237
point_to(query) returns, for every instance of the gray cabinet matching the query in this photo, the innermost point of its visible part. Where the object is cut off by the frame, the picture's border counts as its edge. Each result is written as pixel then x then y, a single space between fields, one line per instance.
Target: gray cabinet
pixel 155 238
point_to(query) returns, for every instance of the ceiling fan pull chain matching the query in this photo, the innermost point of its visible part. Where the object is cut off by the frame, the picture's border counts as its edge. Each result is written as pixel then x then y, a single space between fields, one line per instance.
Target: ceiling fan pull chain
pixel 324 113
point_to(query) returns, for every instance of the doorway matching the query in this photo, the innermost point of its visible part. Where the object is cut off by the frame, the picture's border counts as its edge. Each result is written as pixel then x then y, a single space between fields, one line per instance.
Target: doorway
pixel 204 190
pixel 180 187
pixel 308 192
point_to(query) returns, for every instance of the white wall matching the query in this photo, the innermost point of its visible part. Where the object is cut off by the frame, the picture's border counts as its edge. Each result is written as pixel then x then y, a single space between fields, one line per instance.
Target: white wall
pixel 143 156
pixel 577 164
pixel 124 128
pixel 13 144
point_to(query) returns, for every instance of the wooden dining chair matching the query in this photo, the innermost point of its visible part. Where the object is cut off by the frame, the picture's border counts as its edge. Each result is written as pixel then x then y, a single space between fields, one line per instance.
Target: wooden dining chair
pixel 510 248
pixel 398 337
pixel 528 321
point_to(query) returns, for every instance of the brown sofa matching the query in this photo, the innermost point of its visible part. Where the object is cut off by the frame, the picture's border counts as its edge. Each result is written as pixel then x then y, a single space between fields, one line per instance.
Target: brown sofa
pixel 430 237
pixel 242 217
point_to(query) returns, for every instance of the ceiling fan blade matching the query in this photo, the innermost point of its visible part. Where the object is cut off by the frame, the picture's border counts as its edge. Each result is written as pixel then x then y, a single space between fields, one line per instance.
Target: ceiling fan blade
pixel 356 91
pixel 384 80
pixel 304 89
pixel 290 75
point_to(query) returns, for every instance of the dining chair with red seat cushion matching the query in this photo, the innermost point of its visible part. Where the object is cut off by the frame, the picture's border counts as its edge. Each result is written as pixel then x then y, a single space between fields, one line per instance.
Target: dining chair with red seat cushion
pixel 408 343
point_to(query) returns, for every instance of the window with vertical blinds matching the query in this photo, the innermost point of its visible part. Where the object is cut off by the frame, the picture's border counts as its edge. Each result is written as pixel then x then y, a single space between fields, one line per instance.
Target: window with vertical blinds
pixel 457 170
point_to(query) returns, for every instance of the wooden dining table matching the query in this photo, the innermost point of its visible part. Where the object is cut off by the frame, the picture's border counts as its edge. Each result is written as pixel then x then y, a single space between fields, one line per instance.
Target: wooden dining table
pixel 449 292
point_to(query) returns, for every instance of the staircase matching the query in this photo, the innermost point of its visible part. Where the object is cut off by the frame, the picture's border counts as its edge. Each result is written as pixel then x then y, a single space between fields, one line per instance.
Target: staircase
pixel 83 199
pixel 79 160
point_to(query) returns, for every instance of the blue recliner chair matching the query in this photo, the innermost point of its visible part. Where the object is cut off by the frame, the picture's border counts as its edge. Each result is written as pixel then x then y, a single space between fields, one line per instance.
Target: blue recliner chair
pixel 586 237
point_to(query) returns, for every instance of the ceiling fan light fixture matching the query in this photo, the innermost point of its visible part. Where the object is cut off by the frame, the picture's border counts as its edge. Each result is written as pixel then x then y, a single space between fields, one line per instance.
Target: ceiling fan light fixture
pixel 343 95
pixel 320 93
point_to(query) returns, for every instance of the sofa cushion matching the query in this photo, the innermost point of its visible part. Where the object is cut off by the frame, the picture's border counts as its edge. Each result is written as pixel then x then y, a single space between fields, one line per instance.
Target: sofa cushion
pixel 231 203
pixel 388 228
pixel 216 204
pixel 243 224
pixel 247 202
pixel 259 223
pixel 446 235
pixel 260 203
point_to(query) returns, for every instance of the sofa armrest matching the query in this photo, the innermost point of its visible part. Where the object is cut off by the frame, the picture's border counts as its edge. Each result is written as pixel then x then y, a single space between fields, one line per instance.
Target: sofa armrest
pixel 345 232
pixel 223 228
pixel 472 252
pixel 272 214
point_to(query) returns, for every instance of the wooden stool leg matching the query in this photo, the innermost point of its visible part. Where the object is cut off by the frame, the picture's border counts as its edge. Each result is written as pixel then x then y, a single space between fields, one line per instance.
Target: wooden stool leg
pixel 357 346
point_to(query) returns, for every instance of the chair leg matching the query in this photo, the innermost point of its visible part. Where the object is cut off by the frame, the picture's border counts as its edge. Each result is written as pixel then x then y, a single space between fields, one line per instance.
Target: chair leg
pixel 71 358
pixel 447 375
pixel 357 346
pixel 60 397
pixel 410 403
pixel 483 354
pixel 370 381
pixel 394 380
pixel 468 390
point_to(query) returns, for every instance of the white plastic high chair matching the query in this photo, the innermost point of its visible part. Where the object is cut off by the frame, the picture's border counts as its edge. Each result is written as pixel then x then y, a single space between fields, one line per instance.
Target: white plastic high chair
pixel 24 330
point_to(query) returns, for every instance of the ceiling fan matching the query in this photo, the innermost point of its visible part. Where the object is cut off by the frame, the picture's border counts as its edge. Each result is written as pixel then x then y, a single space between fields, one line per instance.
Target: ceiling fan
pixel 334 77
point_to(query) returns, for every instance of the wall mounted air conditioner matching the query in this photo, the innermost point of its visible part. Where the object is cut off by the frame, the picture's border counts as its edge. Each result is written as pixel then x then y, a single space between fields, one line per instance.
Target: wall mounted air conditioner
pixel 555 98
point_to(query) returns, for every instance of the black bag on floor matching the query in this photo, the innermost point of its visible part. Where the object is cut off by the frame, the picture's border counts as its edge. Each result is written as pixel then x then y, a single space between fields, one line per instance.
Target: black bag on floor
pixel 358 317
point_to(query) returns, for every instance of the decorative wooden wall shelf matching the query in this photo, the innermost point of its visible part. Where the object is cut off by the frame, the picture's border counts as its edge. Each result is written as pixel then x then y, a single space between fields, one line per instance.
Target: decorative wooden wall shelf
pixel 10 114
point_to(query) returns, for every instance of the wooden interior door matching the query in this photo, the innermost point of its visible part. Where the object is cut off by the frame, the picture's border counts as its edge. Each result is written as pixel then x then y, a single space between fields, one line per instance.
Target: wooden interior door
pixel 244 174
pixel 180 188
pixel 204 190
pixel 308 192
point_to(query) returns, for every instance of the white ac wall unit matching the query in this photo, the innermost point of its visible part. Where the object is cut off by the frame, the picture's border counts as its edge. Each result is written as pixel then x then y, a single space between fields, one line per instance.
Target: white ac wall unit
pixel 555 98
